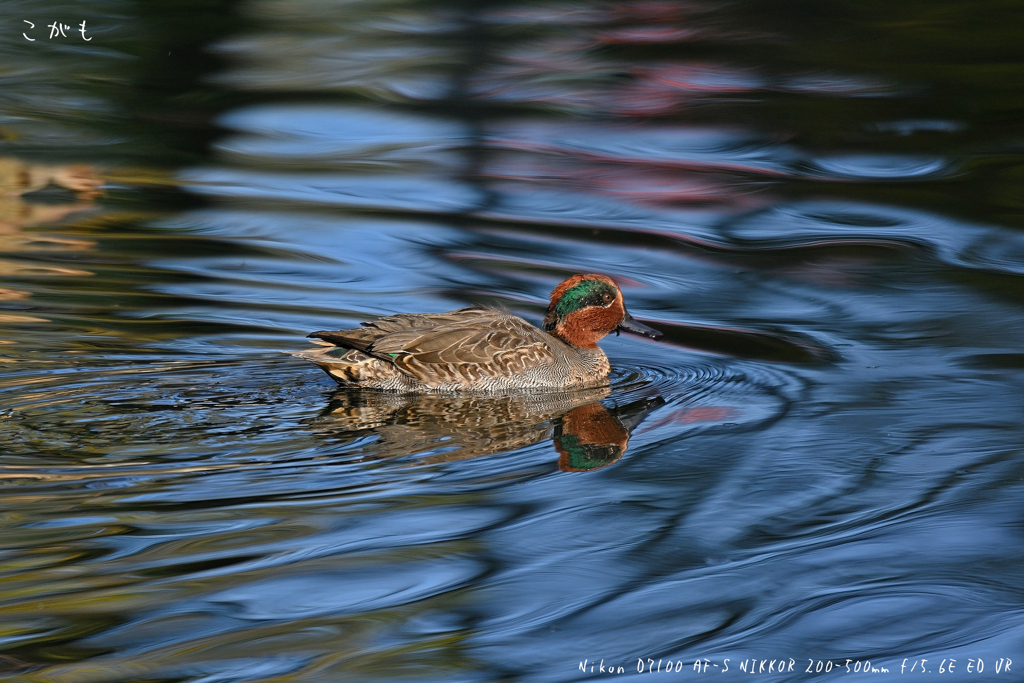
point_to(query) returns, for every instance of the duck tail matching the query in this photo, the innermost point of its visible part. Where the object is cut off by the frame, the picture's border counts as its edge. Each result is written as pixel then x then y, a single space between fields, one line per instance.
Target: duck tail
pixel 344 338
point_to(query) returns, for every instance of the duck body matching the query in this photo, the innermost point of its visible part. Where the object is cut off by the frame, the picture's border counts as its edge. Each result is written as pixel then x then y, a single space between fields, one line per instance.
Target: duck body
pixel 471 349
pixel 483 350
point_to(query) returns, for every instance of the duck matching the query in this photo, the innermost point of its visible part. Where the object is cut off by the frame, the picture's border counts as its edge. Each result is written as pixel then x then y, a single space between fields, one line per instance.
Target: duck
pixel 483 350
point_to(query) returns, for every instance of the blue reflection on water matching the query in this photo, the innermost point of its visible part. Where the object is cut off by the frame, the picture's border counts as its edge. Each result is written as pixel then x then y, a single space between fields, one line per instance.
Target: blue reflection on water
pixel 819 461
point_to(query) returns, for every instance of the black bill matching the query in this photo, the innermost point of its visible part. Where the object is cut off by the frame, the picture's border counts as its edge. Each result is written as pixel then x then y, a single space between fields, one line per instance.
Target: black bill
pixel 628 324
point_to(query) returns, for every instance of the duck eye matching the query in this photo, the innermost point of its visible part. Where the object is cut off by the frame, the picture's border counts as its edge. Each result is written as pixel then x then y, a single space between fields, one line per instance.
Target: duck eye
pixel 608 298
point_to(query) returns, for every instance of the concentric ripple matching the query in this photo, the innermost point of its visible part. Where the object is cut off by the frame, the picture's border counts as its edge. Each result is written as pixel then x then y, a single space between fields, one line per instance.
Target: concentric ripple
pixel 709 392
pixel 150 418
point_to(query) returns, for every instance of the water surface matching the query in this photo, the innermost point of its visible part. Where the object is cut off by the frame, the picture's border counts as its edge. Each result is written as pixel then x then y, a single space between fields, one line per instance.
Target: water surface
pixel 818 203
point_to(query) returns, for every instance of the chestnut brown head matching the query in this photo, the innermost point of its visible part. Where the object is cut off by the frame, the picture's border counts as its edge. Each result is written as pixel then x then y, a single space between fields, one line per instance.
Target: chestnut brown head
pixel 585 308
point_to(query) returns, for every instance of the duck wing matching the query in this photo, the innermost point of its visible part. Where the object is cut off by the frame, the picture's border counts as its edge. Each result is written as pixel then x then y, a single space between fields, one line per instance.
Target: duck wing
pixel 503 347
pixel 362 338
pixel 468 343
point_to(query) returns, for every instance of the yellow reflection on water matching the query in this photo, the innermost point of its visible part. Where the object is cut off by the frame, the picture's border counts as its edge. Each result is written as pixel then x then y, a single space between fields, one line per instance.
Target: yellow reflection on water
pixel 18 178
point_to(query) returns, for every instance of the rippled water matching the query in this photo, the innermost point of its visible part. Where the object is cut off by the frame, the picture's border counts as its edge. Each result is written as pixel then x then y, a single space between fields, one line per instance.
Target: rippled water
pixel 818 203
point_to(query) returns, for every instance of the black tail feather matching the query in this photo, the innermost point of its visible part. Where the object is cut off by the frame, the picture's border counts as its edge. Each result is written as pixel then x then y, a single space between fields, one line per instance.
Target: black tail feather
pixel 340 339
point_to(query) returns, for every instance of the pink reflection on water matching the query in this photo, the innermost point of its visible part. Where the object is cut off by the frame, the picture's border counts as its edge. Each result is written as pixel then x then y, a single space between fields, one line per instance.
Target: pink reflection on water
pixel 565 77
pixel 649 34
pixel 654 10
pixel 661 89
pixel 697 77
pixel 687 416
pixel 654 147
pixel 629 181
pixel 661 188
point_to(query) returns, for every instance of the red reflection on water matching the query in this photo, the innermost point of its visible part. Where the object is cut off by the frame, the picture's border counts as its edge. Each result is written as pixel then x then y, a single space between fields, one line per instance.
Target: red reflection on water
pixel 563 76
pixel 687 416
pixel 572 72
pixel 706 78
pixel 660 89
pixel 639 99
pixel 653 10
pixel 646 34
pixel 650 165
pixel 693 149
pixel 625 181
pixel 661 188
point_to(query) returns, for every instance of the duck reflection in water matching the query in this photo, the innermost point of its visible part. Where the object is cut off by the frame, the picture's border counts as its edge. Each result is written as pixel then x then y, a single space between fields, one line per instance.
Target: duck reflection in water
pixel 586 434
pixel 19 178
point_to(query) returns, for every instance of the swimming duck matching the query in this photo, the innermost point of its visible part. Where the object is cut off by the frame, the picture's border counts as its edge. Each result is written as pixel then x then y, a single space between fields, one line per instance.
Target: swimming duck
pixel 481 349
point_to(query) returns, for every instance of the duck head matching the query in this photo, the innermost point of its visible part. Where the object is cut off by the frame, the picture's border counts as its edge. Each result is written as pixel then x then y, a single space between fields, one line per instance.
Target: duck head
pixel 585 308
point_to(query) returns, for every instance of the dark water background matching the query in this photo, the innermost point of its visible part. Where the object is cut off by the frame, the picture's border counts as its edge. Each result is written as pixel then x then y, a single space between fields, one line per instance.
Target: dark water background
pixel 821 204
